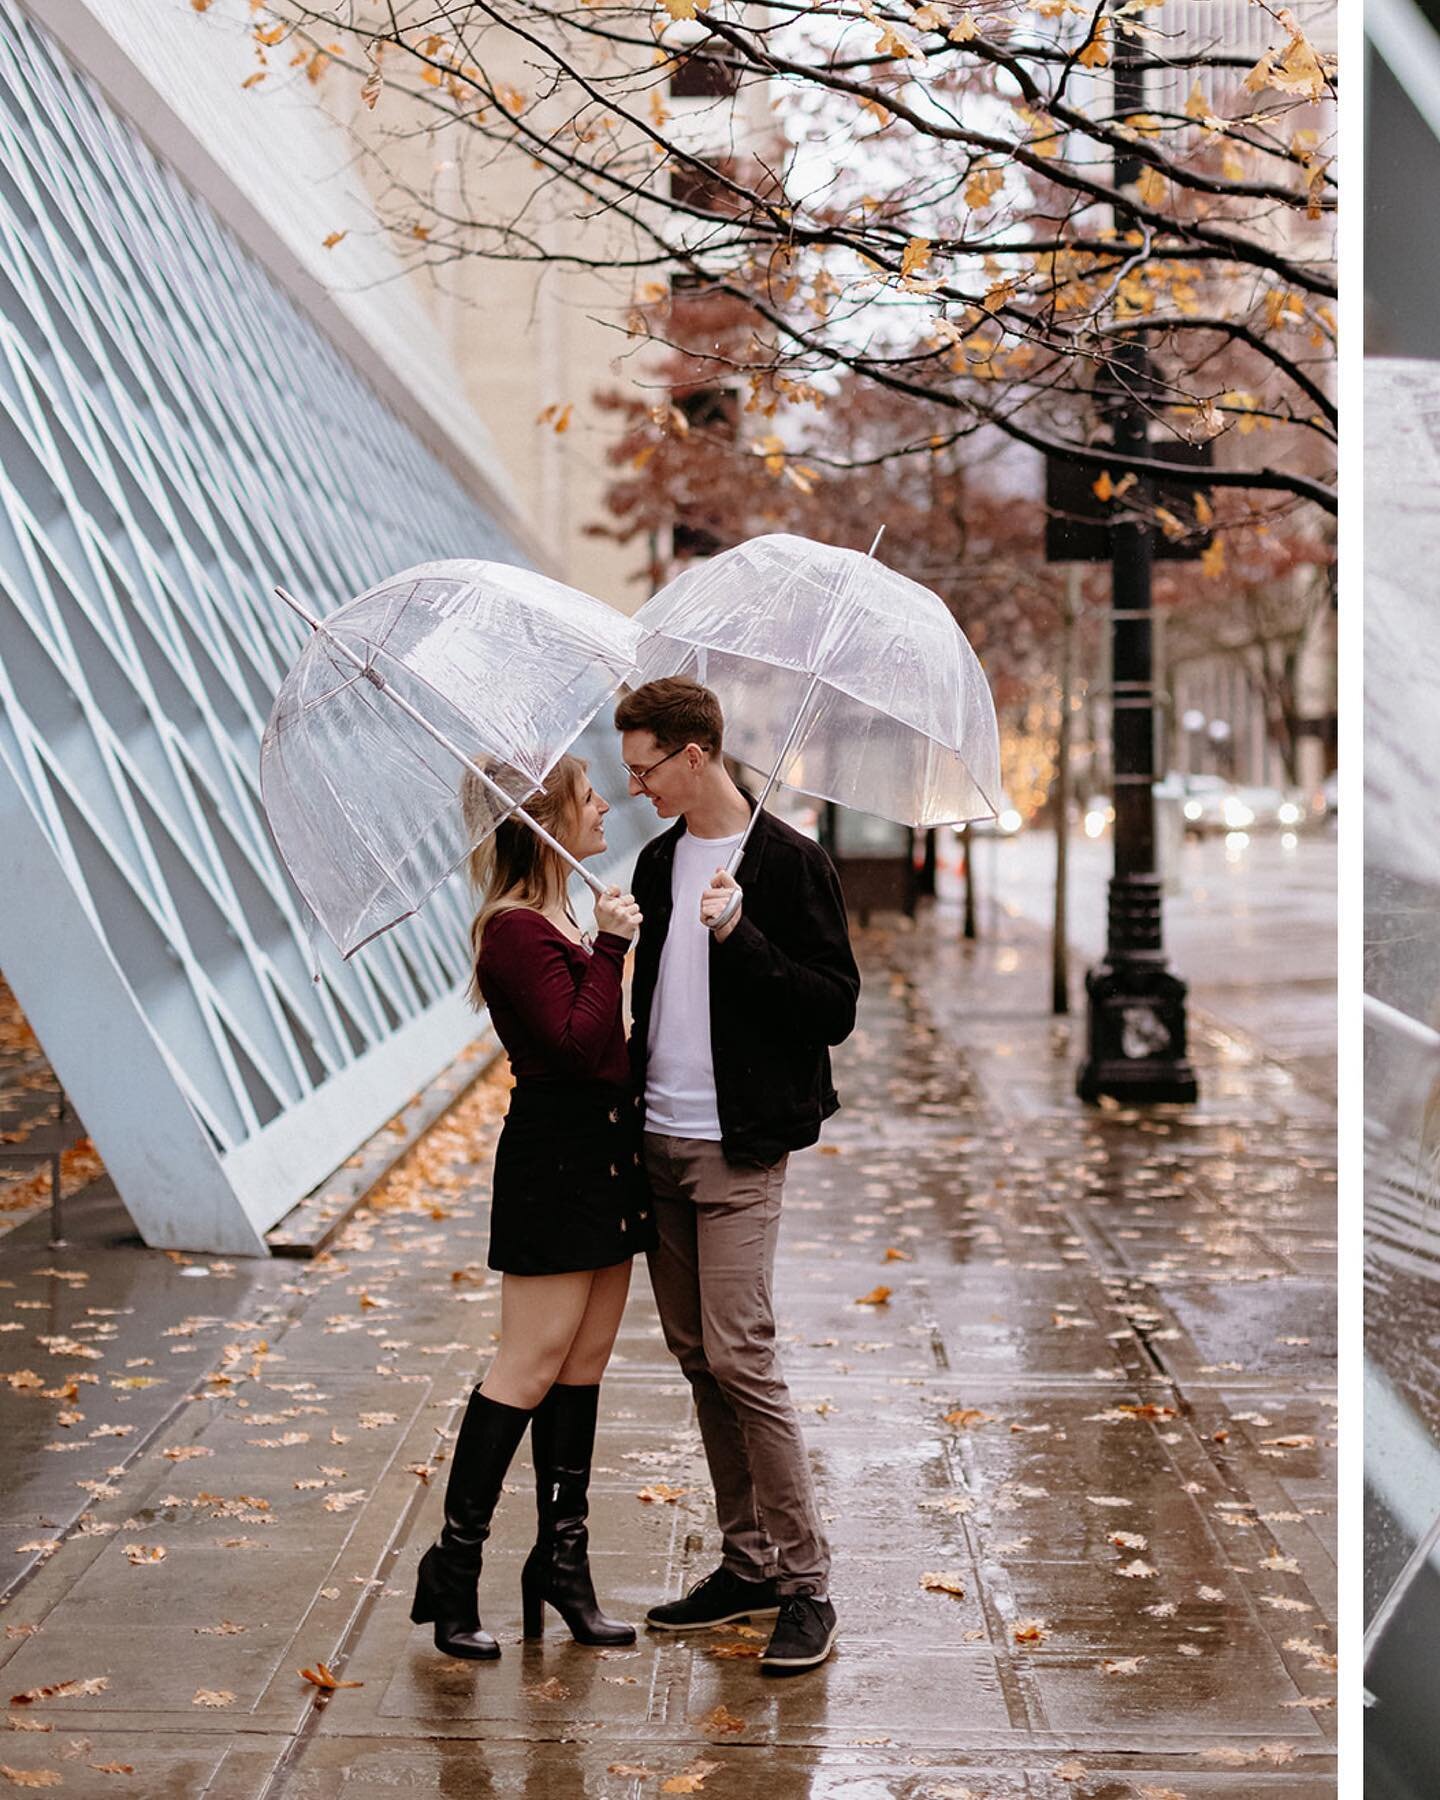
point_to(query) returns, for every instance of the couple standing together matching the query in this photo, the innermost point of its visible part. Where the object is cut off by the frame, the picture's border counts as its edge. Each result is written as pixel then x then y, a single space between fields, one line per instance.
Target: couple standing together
pixel 675 1147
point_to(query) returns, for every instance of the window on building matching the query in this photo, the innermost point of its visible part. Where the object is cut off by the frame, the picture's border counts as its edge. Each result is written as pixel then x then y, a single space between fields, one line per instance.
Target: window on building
pixel 713 409
pixel 690 281
pixel 691 541
pixel 701 188
pixel 702 77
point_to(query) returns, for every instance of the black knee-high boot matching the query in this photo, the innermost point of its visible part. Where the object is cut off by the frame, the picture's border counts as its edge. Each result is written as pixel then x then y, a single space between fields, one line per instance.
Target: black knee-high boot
pixel 445 1587
pixel 557 1570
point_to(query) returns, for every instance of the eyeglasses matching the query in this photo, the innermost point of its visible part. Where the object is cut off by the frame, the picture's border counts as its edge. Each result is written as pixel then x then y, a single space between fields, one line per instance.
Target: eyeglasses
pixel 639 775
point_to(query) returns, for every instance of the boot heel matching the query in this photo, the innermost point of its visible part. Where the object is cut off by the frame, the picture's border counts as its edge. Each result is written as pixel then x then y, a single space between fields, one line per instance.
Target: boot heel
pixel 532 1614
pixel 422 1607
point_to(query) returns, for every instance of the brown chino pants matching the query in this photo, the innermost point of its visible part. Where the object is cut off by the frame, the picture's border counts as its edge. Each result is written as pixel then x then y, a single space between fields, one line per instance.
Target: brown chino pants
pixel 712 1273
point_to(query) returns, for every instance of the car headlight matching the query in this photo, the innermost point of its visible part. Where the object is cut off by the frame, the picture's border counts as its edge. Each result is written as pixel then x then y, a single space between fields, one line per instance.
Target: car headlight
pixel 1289 813
pixel 1194 810
pixel 1238 814
pixel 1095 823
pixel 1010 821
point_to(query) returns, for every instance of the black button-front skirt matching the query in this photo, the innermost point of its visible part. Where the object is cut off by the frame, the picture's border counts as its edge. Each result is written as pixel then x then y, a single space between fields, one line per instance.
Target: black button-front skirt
pixel 569 1189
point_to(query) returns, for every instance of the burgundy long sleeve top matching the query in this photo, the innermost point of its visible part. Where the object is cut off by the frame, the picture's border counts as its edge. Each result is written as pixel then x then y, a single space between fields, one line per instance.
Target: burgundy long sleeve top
pixel 555 1006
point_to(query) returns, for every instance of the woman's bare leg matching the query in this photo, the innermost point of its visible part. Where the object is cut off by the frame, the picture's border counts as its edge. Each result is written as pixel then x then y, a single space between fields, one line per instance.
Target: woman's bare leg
pixel 540 1316
pixel 584 1364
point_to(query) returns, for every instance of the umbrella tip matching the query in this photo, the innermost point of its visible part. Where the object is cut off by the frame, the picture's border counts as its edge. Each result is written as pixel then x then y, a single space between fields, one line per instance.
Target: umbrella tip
pixel 296 607
pixel 876 545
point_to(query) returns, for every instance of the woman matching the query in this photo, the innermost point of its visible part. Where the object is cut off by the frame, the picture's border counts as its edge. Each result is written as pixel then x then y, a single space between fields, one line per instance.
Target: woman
pixel 569 1212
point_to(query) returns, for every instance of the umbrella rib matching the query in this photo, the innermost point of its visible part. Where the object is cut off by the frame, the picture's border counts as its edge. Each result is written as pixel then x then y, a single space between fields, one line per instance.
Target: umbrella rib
pixel 392 619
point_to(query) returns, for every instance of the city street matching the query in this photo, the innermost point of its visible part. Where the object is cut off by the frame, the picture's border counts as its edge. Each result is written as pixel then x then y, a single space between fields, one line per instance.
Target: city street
pixel 409 414
pixel 1252 929
pixel 1067 1379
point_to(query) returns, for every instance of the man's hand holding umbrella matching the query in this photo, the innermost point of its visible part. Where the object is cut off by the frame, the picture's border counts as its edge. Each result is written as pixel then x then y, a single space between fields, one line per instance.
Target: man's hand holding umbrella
pixel 722 891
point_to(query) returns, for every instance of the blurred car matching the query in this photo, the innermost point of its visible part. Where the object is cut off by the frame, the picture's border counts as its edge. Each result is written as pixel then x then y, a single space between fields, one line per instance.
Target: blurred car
pixel 1219 806
pixel 1201 798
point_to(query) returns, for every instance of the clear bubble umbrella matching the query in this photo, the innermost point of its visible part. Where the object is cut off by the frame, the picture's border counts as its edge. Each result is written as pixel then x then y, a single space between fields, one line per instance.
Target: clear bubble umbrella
pixel 842 678
pixel 419 715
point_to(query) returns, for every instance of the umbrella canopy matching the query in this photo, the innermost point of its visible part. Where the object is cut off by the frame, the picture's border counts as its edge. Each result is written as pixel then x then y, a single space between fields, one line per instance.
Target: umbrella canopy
pixel 416 718
pixel 855 680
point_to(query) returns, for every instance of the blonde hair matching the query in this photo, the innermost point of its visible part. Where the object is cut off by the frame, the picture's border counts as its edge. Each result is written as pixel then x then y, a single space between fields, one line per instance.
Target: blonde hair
pixel 510 866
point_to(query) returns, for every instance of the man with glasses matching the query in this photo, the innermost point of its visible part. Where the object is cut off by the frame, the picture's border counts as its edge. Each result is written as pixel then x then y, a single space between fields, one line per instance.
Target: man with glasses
pixel 730 1052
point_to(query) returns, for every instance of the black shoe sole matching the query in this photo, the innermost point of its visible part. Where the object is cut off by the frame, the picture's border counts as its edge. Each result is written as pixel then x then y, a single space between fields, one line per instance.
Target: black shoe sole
pixel 758 1612
pixel 798 1665
pixel 463 1653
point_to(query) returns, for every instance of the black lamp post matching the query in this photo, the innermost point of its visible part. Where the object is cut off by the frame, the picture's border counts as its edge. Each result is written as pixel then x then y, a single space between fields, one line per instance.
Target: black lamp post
pixel 1136 1037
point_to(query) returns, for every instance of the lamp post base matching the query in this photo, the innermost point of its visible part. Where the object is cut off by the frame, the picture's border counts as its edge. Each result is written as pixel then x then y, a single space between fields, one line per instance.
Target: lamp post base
pixel 1136 1044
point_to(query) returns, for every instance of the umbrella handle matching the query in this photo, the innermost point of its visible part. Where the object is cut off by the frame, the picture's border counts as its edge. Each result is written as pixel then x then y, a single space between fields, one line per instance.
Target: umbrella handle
pixel 376 679
pixel 732 906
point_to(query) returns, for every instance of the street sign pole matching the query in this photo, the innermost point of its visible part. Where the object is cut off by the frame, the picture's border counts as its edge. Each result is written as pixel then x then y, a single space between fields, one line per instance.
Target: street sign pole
pixel 1136 1027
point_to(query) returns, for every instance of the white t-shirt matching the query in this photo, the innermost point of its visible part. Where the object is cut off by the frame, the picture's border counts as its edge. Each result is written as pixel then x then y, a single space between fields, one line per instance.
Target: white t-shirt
pixel 680 1071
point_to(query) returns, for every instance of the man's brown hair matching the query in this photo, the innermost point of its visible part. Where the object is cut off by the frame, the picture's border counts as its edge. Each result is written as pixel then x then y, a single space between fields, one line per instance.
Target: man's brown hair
pixel 675 711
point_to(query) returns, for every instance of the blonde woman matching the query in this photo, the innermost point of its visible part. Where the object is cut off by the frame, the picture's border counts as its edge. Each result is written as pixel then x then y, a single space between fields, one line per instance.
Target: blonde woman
pixel 569 1213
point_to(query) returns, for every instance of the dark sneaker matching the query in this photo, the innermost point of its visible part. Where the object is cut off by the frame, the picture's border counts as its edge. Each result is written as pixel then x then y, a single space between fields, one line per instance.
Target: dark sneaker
pixel 804 1634
pixel 716 1599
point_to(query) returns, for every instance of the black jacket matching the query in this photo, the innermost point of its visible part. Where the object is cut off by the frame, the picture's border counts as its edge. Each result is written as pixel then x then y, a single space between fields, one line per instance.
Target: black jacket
pixel 783 986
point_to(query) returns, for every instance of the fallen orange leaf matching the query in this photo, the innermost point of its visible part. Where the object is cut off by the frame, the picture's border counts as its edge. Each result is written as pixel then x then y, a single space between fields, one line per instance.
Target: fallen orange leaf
pixel 661 1491
pixel 321 1677
pixel 62 1690
pixel 691 1780
pixel 721 1719
pixel 553 1689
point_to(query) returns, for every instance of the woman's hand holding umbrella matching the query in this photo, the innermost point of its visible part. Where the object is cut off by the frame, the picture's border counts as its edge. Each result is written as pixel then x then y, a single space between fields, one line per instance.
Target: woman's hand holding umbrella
pixel 617 913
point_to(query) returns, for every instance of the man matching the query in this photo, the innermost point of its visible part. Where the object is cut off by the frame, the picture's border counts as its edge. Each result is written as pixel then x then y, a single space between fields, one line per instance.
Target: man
pixel 729 1051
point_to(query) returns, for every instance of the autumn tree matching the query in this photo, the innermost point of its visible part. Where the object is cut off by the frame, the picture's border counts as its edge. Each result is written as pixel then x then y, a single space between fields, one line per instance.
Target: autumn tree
pixel 700 465
pixel 917 196
pixel 1266 614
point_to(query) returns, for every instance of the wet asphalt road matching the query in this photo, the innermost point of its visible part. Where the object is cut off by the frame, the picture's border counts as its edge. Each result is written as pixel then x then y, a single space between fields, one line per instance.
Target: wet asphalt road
pixel 1251 928
pixel 1098 1400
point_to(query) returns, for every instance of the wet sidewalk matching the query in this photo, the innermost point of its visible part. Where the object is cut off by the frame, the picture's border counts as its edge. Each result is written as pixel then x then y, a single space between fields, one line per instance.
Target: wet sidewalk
pixel 1067 1379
